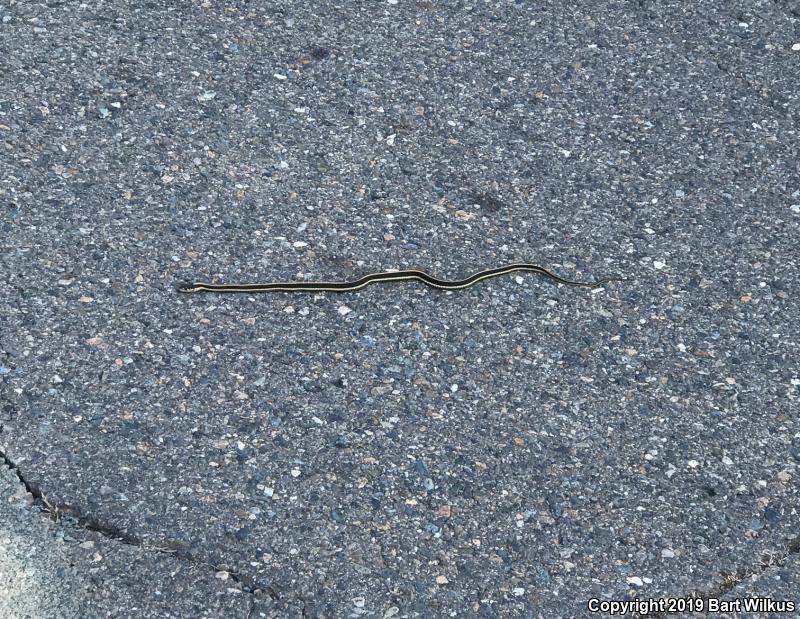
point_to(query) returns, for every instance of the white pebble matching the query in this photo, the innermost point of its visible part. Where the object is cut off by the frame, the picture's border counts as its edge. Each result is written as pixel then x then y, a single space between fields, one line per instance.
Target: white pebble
pixel 658 265
pixel 454 387
pixel 518 591
pixel 796 47
pixel 295 472
pixel 299 244
pixel 693 464
pixel 344 310
pixel 634 580
pixel 279 76
pixel 667 553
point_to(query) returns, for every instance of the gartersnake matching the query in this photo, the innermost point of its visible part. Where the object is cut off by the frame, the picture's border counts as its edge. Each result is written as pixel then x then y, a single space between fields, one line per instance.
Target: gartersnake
pixel 386 276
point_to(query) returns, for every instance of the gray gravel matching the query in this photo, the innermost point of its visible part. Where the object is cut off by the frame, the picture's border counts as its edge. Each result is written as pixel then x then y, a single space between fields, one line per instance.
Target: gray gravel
pixel 510 450
pixel 36 577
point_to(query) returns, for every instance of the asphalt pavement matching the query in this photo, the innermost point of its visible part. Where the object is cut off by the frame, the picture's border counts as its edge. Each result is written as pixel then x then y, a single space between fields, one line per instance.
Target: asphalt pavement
pixel 513 449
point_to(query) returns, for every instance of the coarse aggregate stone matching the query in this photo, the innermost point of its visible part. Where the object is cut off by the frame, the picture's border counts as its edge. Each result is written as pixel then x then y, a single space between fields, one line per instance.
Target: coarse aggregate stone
pixel 36 577
pixel 509 450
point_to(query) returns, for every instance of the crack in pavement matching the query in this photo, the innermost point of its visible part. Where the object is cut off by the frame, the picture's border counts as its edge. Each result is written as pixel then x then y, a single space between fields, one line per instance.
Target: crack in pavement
pixel 730 579
pixel 77 518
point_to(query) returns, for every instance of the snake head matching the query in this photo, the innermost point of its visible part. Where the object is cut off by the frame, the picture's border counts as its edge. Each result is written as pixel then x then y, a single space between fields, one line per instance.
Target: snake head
pixel 187 287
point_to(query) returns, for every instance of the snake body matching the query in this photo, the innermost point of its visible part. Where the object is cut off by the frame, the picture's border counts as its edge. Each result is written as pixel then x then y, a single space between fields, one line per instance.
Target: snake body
pixel 386 276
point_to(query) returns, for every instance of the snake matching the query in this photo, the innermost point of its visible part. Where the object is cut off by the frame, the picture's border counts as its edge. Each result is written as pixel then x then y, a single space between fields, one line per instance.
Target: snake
pixel 387 276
